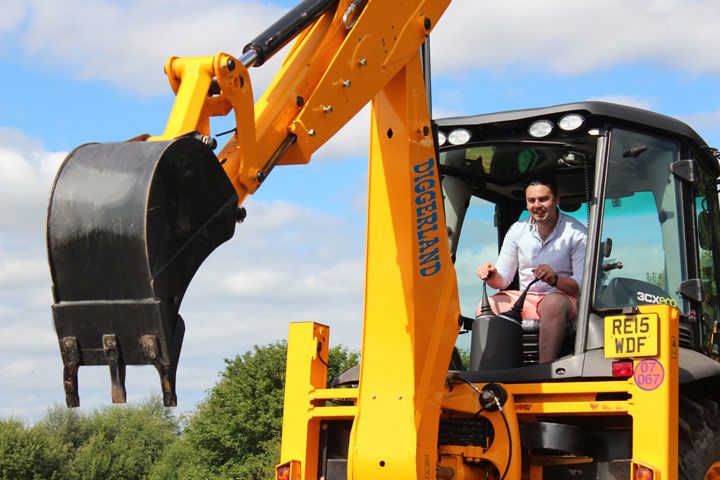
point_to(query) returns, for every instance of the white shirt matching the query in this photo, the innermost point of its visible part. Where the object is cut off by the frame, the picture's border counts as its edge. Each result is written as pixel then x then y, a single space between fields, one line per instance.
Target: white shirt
pixel 523 250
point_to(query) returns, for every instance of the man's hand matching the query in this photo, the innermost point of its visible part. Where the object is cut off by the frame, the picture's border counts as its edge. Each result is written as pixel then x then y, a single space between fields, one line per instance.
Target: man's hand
pixel 486 271
pixel 546 274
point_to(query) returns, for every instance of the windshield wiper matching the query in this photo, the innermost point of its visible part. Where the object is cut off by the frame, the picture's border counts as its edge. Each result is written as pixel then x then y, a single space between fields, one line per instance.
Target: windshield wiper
pixel 635 151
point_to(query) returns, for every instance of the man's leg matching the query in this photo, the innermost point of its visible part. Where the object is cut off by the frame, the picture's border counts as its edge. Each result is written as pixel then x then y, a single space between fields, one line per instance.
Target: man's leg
pixel 555 310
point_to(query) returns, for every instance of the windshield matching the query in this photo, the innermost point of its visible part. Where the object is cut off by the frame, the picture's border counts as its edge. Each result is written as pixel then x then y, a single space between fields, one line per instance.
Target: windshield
pixel 640 253
pixel 512 160
pixel 483 186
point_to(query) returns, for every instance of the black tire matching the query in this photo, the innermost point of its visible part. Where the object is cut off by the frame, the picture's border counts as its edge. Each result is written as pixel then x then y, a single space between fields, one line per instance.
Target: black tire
pixel 699 442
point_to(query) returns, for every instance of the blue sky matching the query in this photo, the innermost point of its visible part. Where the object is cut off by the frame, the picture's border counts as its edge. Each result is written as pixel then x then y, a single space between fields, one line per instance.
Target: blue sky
pixel 74 71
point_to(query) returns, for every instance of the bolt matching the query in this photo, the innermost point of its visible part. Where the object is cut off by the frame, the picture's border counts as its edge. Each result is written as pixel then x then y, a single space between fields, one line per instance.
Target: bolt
pixel 311 132
pixel 427 23
pixel 363 62
pixel 230 64
pixel 347 83
pixel 373 396
pixel 209 141
pixel 240 214
pixel 399 397
pixel 327 108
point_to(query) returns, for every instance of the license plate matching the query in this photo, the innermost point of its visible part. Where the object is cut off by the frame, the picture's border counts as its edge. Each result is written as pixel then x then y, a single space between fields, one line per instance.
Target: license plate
pixel 631 335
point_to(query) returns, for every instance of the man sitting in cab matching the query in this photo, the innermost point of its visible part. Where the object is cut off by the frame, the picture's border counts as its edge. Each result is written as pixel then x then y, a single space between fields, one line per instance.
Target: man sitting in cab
pixel 547 245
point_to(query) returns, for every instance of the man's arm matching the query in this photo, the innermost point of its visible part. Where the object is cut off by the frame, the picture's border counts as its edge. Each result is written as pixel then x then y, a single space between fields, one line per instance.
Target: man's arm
pixel 565 284
pixel 569 285
pixel 500 275
pixel 488 273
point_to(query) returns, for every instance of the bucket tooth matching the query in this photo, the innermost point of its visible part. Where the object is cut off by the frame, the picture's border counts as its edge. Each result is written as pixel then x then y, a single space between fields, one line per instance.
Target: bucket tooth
pixel 167 375
pixel 71 362
pixel 117 368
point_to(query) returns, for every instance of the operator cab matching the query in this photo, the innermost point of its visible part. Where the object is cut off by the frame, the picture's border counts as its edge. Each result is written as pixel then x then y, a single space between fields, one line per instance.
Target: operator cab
pixel 642 183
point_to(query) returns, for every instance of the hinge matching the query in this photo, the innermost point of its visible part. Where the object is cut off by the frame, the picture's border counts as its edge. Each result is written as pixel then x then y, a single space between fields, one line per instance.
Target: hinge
pixel 692 289
pixel 685 170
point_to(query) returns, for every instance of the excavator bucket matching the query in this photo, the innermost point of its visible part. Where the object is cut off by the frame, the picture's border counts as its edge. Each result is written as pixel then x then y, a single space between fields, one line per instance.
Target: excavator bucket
pixel 128 226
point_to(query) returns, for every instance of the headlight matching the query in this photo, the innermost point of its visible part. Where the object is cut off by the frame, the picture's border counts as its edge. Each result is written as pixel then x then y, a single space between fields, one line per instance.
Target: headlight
pixel 459 136
pixel 442 138
pixel 540 128
pixel 571 122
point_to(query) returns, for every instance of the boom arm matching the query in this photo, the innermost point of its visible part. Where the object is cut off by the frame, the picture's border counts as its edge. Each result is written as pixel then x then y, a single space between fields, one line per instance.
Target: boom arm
pixel 130 223
pixel 328 76
pixel 123 251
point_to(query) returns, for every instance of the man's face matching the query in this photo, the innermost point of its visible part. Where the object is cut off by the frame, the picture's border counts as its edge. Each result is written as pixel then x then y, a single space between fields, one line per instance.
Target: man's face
pixel 541 203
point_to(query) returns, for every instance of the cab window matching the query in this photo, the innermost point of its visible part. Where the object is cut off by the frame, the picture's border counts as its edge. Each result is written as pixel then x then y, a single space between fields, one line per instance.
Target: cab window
pixel 640 261
pixel 706 211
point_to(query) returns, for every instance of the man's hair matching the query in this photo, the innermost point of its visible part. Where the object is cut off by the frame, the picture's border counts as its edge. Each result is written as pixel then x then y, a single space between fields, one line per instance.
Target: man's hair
pixel 547 180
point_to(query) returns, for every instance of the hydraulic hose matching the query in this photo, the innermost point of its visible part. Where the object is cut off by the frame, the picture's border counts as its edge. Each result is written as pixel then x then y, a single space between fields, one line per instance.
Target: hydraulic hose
pixel 281 32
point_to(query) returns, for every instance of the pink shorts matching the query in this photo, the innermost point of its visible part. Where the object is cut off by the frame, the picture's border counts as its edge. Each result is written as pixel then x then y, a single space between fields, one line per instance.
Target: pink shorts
pixel 530 307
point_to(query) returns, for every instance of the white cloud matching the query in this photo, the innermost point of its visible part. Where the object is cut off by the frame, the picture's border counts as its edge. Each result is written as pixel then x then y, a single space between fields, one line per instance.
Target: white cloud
pixel 353 140
pixel 571 37
pixel 629 100
pixel 705 123
pixel 13 12
pixel 26 174
pixel 127 43
pixel 20 272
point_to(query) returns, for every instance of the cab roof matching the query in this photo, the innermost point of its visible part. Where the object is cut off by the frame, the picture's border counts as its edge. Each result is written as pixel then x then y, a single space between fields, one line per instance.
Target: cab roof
pixel 612 112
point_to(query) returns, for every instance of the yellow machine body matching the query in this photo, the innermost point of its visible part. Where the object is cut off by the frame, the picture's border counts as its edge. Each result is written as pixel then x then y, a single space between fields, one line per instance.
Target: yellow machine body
pixel 411 306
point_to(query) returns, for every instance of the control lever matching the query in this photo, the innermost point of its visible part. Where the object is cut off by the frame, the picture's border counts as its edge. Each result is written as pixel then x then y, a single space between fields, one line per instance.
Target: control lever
pixel 515 312
pixel 612 266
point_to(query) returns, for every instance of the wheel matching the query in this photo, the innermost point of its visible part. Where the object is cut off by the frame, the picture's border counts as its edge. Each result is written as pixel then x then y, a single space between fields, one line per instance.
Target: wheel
pixel 699 442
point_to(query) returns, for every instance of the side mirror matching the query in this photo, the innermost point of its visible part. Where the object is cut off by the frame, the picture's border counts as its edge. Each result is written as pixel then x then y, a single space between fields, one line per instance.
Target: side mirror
pixel 704 230
pixel 606 247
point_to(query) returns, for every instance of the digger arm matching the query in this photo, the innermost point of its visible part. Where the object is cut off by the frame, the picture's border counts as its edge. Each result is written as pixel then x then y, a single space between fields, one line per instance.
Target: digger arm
pixel 130 223
pixel 335 67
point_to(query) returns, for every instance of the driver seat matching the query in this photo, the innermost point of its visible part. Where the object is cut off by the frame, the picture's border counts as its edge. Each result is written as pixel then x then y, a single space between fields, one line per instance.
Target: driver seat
pixel 531 340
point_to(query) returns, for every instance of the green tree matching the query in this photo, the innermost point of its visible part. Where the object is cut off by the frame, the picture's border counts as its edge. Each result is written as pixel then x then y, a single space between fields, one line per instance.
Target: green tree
pixel 68 425
pixel 341 359
pixel 656 278
pixel 235 432
pixel 30 453
pixel 124 442
pixel 180 461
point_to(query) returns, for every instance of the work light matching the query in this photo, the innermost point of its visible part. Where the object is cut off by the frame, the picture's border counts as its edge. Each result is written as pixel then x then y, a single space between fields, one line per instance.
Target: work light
pixel 459 136
pixel 442 138
pixel 540 128
pixel 571 122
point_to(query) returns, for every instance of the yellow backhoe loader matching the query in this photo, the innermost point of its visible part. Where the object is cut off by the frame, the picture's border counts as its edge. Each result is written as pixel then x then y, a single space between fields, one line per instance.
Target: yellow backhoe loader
pixel 634 392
